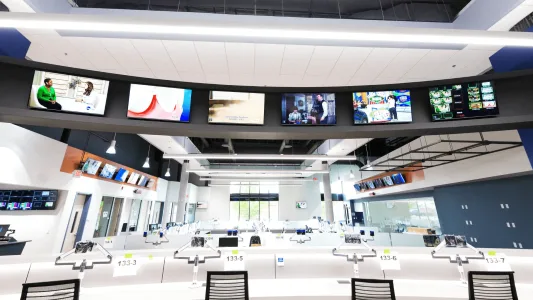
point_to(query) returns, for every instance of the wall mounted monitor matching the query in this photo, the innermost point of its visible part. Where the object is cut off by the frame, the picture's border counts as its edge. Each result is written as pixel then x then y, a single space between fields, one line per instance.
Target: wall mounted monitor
pixel 236 108
pixel 308 109
pixel 150 183
pixel 301 204
pixel 133 178
pixel 461 101
pixel 357 187
pixel 108 171
pixel 142 180
pixel 370 185
pixel 91 166
pixel 68 93
pixel 398 178
pixel 159 103
pixel 28 200
pixel 382 107
pixel 378 183
pixel 388 180
pixel 122 174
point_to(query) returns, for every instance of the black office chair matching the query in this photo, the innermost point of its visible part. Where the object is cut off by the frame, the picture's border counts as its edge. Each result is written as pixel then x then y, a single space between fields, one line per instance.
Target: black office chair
pixel 372 289
pixel 52 290
pixel 491 286
pixel 231 285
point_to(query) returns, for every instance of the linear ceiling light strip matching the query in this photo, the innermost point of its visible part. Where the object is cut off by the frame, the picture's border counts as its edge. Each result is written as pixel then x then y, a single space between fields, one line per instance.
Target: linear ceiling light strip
pixel 258 157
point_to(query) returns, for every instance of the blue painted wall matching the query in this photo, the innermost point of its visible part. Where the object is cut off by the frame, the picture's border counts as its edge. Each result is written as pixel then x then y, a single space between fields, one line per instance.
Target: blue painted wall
pixel 13 43
pixel 512 58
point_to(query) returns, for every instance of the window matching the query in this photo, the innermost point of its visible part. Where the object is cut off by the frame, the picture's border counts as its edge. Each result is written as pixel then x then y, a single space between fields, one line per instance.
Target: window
pixel 254 201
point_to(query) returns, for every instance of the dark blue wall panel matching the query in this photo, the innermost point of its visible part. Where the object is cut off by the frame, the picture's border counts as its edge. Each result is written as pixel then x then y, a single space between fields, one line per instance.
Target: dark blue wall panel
pixel 13 43
pixel 526 135
pixel 512 58
pixel 489 219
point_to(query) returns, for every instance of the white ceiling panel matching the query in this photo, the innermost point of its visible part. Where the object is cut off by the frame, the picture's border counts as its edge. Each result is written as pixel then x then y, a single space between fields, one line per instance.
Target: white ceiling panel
pixel 222 78
pixel 140 73
pixel 94 51
pixel 374 65
pixel 156 57
pixel 312 80
pixel 430 65
pixel 290 80
pixel 240 57
pixel 38 53
pixel 400 65
pixel 193 77
pixel 184 56
pixel 212 57
pixel 242 79
pixel 296 59
pixel 348 63
pixel 268 59
pixel 323 61
pixel 125 54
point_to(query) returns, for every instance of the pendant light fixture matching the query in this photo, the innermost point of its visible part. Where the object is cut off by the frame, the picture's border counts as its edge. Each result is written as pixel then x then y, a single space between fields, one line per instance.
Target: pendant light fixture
pixel 351 174
pixel 111 149
pixel 147 161
pixel 368 164
pixel 167 174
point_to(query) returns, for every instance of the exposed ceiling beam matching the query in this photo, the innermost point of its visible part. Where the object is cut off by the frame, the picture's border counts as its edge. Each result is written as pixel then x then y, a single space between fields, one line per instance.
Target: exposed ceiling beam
pixel 260 157
pixel 314 147
pixel 230 147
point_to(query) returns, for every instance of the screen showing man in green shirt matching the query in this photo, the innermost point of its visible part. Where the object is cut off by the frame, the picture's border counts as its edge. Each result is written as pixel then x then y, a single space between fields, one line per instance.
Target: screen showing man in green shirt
pixel 46 95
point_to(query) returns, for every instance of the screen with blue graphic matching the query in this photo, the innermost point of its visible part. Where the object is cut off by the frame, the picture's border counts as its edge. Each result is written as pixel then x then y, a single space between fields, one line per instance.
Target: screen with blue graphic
pixel 462 101
pixel 382 107
pixel 28 200
pixel 121 175
pixel 159 103
pixel 108 171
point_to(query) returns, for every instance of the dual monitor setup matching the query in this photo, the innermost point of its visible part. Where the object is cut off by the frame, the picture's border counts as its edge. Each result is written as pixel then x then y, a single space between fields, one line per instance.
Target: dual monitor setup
pixel 28 200
pixel 77 94
pixel 92 166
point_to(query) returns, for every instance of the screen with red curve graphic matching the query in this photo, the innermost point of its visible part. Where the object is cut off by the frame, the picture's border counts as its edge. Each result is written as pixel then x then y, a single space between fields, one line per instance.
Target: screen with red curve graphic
pixel 159 103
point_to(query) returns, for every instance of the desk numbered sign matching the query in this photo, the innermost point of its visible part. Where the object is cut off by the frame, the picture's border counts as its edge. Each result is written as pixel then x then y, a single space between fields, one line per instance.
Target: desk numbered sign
pixel 497 262
pixel 389 260
pixel 234 260
pixel 126 266
pixel 108 243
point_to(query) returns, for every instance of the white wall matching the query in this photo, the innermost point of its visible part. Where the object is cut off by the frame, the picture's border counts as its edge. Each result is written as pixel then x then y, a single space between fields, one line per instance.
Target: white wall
pixel 217 198
pixel 288 196
pixel 33 161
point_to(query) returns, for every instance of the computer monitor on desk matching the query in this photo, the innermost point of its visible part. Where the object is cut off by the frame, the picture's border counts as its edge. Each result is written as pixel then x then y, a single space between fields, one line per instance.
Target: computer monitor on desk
pixel 3 229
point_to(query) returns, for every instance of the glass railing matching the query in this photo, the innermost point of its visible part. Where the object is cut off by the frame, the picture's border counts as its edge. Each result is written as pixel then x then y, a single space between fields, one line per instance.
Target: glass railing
pixel 389 10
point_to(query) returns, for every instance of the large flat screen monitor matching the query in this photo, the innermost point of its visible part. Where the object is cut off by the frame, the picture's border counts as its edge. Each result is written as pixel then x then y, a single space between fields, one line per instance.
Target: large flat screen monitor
pixel 68 93
pixel 382 107
pixel 122 174
pixel 236 108
pixel 108 171
pixel 91 166
pixel 308 109
pixel 159 103
pixel 461 101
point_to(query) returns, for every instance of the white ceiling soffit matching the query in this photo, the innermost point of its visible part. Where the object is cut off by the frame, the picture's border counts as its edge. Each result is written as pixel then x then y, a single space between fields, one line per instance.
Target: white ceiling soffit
pixel 335 147
pixel 259 157
pixel 173 145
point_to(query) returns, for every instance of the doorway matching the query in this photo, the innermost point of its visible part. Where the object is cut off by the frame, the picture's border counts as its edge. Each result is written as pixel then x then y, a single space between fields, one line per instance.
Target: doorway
pixel 108 217
pixel 76 223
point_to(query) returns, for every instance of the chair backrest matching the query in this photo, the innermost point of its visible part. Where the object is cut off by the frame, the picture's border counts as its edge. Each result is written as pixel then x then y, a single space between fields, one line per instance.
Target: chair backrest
pixel 491 286
pixel 372 289
pixel 231 285
pixel 52 290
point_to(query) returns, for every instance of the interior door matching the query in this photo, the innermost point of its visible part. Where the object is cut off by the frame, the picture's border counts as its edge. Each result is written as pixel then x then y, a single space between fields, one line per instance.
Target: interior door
pixel 74 223
pixel 104 216
pixel 115 217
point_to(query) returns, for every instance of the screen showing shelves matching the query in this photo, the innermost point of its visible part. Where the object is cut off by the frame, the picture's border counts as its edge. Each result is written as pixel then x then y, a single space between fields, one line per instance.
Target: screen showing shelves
pixel 108 171
pixel 382 107
pixel 68 93
pixel 461 101
pixel 91 166
pixel 236 108
pixel 159 103
pixel 308 109
pixel 28 200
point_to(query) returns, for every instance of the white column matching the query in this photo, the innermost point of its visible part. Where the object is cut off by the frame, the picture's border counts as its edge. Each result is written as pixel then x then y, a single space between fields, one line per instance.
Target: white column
pixel 327 193
pixel 184 191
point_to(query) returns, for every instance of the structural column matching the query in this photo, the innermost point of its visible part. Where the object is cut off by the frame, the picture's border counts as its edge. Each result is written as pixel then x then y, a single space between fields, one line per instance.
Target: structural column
pixel 327 193
pixel 184 192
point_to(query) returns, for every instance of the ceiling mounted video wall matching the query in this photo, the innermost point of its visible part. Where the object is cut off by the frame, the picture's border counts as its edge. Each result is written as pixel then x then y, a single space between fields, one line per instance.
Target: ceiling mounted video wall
pixel 159 103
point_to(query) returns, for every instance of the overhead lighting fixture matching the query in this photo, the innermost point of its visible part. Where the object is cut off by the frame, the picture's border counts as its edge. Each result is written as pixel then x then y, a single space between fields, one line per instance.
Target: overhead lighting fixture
pixel 216 184
pixel 255 171
pixel 248 179
pixel 362 34
pixel 259 157
pixel 146 164
pixel 167 174
pixel 112 149
pixel 351 174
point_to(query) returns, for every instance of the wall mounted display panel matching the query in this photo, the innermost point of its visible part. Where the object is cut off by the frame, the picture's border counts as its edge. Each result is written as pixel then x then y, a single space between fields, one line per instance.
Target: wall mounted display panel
pixel 108 171
pixel 122 174
pixel 308 109
pixel 91 166
pixel 28 200
pixel 236 108
pixel 68 93
pixel 159 103
pixel 382 107
pixel 134 177
pixel 461 101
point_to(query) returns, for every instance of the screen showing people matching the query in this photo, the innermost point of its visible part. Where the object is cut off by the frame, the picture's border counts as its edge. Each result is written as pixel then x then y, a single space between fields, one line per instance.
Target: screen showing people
pixel 236 108
pixel 308 109
pixel 382 107
pixel 461 101
pixel 68 93
pixel 159 103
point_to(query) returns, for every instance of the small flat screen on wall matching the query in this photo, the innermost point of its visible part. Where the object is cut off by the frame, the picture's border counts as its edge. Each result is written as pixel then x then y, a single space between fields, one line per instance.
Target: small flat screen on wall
pixel 159 103
pixel 236 108
pixel 121 175
pixel 133 178
pixel 108 171
pixel 68 93
pixel 308 109
pixel 382 107
pixel 462 101
pixel 301 204
pixel 28 200
pixel 91 166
